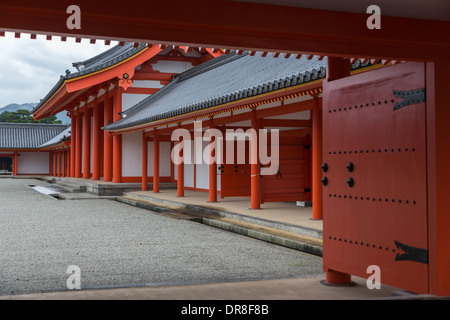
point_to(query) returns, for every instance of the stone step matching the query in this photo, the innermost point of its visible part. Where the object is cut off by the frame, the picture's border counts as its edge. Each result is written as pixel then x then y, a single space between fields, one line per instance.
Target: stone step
pixel 199 209
pixel 253 229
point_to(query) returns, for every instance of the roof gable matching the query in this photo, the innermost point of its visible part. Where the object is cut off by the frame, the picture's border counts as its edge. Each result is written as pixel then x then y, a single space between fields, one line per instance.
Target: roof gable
pixel 119 62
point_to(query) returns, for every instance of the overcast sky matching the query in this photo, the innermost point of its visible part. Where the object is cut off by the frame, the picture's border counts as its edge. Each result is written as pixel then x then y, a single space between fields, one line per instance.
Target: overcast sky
pixel 30 68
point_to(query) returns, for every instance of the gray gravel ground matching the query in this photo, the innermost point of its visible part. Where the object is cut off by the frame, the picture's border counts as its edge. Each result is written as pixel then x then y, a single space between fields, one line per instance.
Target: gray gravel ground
pixel 116 245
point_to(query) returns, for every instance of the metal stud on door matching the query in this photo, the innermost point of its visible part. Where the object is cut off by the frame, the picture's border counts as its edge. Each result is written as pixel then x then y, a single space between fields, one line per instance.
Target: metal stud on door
pixel 374 177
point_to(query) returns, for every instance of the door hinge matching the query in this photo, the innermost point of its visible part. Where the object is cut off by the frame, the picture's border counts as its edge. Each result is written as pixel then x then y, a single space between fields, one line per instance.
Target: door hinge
pixel 409 97
pixel 411 253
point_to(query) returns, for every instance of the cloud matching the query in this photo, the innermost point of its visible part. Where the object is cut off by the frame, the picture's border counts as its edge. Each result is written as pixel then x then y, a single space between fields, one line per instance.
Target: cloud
pixel 30 68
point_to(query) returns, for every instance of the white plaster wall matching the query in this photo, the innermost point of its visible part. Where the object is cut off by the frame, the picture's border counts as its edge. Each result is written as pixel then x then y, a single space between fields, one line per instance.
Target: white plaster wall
pixel 130 100
pixel 172 66
pixel 202 169
pixel 202 176
pixel 164 159
pixel 189 170
pixel 201 172
pixel 92 145
pixel 33 163
pixel 175 172
pixel 132 154
pixel 147 84
pixel 150 159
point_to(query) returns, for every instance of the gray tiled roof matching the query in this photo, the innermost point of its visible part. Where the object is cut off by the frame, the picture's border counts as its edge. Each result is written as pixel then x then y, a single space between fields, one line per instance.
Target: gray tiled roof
pixel 102 61
pixel 224 79
pixel 63 136
pixel 27 135
pixel 106 59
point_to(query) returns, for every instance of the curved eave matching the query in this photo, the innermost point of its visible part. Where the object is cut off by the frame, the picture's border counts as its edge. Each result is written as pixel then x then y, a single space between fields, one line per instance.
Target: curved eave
pixel 51 105
pixel 246 102
pixel 69 88
pixel 59 145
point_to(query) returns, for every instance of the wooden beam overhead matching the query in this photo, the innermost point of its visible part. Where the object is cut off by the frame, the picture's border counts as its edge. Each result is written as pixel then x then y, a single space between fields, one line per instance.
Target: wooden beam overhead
pixel 255 26
pixel 137 90
pixel 286 123
pixel 155 75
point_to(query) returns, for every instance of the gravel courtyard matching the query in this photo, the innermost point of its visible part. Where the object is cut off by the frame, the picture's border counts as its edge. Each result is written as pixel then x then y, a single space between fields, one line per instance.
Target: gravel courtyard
pixel 116 245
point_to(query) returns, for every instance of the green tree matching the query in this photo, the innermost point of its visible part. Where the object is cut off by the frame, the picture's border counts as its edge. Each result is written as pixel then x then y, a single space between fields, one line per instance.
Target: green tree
pixel 24 116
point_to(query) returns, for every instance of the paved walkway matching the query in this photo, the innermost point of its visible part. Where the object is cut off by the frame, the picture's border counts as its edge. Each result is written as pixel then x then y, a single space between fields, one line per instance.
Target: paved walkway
pixel 275 289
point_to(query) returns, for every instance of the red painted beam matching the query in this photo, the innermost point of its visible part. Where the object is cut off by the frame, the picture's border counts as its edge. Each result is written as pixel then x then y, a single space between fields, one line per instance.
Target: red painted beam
pixel 50 163
pixel 317 213
pixel 15 165
pixel 159 76
pixel 212 166
pixel 438 157
pixel 44 110
pixel 180 176
pixel 73 141
pixel 255 170
pixel 78 144
pixel 117 140
pixel 107 139
pixel 156 163
pixel 144 162
pixel 136 90
pixel 87 143
pixel 234 24
pixel 55 162
pixel 96 142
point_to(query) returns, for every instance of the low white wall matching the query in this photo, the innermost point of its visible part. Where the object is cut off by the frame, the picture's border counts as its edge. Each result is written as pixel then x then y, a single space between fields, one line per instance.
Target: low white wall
pixel 164 159
pixel 189 170
pixel 132 156
pixel 201 172
pixel 33 163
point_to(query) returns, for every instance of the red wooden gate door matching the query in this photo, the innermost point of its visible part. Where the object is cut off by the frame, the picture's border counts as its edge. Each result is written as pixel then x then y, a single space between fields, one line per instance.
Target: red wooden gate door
pixel 235 177
pixel 292 180
pixel 374 175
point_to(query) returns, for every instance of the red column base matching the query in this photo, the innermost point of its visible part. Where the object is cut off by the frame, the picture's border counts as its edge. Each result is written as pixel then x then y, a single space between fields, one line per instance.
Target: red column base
pixel 336 278
pixel 144 185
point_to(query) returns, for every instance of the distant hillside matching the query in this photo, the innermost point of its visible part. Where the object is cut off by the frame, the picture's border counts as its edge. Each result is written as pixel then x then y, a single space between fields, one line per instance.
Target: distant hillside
pixel 13 107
